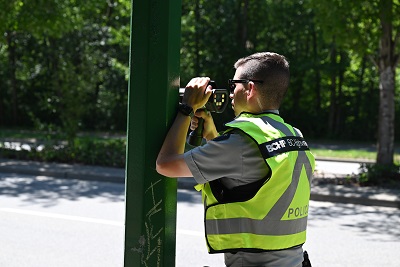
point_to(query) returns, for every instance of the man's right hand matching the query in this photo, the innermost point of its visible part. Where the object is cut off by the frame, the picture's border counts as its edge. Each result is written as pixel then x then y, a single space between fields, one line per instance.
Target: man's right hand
pixel 209 129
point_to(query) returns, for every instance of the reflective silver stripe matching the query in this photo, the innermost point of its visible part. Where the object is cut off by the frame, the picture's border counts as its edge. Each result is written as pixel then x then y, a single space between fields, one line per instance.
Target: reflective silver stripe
pixel 279 209
pixel 278 125
pixel 258 227
pixel 272 223
pixel 297 131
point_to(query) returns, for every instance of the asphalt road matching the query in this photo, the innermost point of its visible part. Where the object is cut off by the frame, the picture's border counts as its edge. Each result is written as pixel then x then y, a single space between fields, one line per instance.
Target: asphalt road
pixel 50 222
pixel 56 222
pixel 339 235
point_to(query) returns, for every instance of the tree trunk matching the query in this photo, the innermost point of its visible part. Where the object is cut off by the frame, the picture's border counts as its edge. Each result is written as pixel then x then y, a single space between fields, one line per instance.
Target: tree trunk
pixel 360 90
pixel 317 73
pixel 332 108
pixel 197 68
pixel 243 24
pixel 297 94
pixel 2 114
pixel 386 117
pixel 339 101
pixel 12 76
pixel 386 65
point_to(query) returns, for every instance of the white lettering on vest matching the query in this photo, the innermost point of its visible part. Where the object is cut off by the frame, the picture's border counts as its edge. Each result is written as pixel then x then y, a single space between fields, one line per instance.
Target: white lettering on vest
pixel 298 211
pixel 276 145
pixel 295 142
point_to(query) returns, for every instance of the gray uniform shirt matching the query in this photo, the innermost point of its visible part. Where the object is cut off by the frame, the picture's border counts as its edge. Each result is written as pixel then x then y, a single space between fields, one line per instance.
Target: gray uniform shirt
pixel 236 160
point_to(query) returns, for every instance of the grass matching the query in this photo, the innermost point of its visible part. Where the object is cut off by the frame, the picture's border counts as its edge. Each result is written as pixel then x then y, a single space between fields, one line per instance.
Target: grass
pixel 8 135
pixel 323 149
pixel 356 154
pixel 24 134
pixel 346 154
pixel 344 150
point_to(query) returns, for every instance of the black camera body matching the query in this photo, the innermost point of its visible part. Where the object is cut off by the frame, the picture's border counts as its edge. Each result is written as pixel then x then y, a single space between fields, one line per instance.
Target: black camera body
pixel 216 103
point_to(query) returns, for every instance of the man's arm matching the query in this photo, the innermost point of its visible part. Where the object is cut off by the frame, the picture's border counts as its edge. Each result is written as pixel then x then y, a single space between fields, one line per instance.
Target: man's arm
pixel 170 160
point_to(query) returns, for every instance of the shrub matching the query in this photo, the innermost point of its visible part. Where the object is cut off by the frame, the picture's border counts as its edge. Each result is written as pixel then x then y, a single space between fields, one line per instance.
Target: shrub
pixel 102 152
pixel 380 175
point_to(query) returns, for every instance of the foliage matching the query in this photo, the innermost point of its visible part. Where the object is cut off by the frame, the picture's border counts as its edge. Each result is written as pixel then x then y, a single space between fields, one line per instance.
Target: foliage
pixel 379 175
pixel 64 64
pixel 368 28
pixel 70 61
pixel 103 152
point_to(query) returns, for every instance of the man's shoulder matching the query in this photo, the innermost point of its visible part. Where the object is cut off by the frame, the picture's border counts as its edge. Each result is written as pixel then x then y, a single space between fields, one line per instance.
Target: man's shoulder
pixel 235 135
pixel 222 137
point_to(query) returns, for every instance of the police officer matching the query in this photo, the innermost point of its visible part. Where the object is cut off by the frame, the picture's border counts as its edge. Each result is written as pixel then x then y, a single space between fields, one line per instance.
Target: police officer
pixel 255 178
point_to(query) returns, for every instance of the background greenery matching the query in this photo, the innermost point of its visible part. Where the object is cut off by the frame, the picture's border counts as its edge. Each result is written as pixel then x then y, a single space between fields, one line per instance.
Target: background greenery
pixel 64 65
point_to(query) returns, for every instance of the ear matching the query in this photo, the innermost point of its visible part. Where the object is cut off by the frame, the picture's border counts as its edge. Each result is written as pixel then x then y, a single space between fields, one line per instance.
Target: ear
pixel 252 90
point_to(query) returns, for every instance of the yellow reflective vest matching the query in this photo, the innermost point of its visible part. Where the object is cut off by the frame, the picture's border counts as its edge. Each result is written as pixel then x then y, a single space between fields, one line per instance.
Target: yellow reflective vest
pixel 275 217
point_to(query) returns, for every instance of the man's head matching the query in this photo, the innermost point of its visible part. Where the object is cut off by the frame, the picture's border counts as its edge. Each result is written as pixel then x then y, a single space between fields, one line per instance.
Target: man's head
pixel 268 75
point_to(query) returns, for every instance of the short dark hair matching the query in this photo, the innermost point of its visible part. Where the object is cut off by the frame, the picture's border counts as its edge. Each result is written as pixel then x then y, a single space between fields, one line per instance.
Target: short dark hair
pixel 272 69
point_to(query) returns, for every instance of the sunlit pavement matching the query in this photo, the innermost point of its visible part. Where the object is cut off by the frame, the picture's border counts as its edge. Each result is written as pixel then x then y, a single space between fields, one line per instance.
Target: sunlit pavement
pixel 88 216
pixel 338 235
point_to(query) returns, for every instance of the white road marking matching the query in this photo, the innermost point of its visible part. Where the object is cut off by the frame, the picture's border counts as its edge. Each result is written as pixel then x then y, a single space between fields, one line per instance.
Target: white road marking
pixel 62 216
pixel 189 232
pixel 85 219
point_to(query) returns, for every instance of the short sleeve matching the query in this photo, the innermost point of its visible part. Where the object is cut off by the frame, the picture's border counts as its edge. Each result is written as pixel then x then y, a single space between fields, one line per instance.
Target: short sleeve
pixel 233 158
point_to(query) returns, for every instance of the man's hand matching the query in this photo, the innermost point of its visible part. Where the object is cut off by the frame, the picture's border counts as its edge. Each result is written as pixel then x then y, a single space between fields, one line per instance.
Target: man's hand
pixel 197 92
pixel 209 129
pixel 170 161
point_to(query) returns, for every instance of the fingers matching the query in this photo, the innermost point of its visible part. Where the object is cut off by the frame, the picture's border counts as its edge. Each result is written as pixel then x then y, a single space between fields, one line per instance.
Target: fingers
pixel 198 82
pixel 194 123
pixel 197 92
pixel 202 113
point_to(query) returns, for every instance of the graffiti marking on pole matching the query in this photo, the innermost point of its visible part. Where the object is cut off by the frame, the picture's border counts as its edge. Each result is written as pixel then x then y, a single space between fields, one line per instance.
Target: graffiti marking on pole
pixel 147 249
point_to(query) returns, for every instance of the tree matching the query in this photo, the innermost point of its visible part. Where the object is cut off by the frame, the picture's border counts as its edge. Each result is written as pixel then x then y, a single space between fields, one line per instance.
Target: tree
pixel 369 28
pixel 387 61
pixel 64 64
pixel 38 18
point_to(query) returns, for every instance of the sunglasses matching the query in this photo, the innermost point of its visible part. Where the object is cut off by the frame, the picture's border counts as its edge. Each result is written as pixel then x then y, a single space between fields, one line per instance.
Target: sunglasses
pixel 232 83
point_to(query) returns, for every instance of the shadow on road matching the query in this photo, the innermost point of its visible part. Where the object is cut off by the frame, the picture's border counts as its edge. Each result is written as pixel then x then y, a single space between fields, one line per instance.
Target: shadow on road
pixel 189 195
pixel 377 223
pixel 48 191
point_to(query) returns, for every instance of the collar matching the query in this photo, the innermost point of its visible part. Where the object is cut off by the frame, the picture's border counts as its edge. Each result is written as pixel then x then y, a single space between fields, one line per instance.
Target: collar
pixel 275 111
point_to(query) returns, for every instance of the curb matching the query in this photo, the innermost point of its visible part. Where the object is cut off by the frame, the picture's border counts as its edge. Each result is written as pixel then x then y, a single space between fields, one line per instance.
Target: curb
pixel 67 175
pixel 64 171
pixel 355 200
pixel 340 194
pixel 360 161
pixel 329 193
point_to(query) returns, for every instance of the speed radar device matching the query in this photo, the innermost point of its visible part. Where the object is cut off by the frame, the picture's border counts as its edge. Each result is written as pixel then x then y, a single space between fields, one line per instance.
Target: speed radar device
pixel 216 103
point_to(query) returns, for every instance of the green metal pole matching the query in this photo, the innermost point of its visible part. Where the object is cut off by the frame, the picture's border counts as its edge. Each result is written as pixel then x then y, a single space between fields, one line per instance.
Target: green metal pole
pixel 150 223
